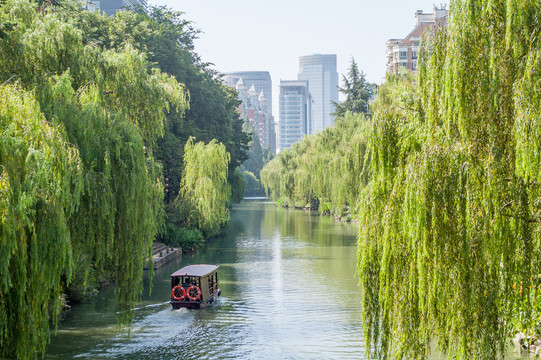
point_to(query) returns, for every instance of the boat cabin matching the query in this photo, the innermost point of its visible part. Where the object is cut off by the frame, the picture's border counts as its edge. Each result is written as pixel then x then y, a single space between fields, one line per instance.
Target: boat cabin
pixel 194 286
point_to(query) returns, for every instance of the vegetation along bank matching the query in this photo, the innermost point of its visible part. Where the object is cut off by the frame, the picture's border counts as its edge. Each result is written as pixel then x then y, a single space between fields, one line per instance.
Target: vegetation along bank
pixel 445 188
pixel 105 122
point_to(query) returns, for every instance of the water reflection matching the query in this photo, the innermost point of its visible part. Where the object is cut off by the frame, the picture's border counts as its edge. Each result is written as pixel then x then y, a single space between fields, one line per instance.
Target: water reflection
pixel 288 292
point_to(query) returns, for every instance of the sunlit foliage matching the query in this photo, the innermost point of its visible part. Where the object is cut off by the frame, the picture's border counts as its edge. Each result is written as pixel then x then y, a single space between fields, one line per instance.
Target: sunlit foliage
pixel 449 246
pixel 205 193
pixel 110 106
pixel 40 185
pixel 323 170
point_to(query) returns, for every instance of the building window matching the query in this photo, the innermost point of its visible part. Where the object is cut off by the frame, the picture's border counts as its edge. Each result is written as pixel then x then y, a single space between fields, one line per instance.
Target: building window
pixel 403 55
pixel 414 55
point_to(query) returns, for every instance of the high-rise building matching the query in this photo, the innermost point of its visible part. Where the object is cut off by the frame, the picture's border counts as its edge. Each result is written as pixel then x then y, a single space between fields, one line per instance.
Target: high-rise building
pixel 261 80
pixel 255 92
pixel 403 53
pixel 110 7
pixel 320 72
pixel 295 109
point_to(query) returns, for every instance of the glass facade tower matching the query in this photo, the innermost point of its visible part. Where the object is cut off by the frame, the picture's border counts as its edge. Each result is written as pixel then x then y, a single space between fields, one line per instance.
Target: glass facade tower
pixel 295 108
pixel 320 72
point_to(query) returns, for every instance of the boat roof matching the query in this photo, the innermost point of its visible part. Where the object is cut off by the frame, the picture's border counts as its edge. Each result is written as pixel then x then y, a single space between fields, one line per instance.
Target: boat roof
pixel 195 270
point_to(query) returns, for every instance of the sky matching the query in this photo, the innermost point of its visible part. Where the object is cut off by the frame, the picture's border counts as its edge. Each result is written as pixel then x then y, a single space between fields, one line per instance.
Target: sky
pixel 252 35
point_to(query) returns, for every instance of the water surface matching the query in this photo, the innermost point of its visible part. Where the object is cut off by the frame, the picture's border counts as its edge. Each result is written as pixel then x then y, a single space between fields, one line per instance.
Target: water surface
pixel 289 291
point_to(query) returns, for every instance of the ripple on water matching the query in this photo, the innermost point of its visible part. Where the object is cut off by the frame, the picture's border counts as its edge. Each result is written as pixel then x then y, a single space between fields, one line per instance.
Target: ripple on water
pixel 288 296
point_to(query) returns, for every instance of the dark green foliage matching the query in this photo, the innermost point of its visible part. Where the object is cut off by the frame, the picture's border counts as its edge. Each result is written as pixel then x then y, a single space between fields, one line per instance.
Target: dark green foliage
pixel 167 38
pixel 188 239
pixel 253 185
pixel 357 90
pixel 238 186
pixel 254 163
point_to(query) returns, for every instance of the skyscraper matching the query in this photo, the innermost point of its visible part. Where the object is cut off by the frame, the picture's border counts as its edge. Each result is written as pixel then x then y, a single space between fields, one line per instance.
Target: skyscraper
pixel 261 80
pixel 255 91
pixel 295 108
pixel 320 72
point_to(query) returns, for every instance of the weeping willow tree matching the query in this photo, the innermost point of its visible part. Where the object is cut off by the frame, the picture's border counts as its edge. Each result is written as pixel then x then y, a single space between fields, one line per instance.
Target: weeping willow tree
pixel 323 170
pixel 449 246
pixel 110 106
pixel 204 192
pixel 40 184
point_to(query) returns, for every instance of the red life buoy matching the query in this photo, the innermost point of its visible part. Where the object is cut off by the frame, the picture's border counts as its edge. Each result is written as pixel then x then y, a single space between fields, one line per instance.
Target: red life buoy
pixel 193 293
pixel 182 293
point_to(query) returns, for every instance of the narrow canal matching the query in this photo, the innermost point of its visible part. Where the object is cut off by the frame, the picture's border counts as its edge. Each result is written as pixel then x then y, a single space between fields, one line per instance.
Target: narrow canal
pixel 289 291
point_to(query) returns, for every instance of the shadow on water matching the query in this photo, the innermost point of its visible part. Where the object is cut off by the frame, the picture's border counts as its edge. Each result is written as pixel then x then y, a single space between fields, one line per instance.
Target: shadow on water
pixel 289 291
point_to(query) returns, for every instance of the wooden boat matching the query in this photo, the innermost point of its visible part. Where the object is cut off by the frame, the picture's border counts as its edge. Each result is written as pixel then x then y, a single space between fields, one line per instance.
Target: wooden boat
pixel 194 286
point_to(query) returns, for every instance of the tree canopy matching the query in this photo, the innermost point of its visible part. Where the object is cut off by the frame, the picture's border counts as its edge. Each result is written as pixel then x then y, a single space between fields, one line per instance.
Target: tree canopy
pixel 90 122
pixel 449 243
pixel 204 193
pixel 325 170
pixel 357 90
pixel 449 211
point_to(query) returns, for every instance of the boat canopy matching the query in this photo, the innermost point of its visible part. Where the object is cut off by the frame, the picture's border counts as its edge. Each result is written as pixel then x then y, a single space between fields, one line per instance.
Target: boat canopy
pixel 195 270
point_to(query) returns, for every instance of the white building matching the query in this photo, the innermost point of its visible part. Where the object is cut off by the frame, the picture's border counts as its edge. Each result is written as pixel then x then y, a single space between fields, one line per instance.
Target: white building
pixel 254 109
pixel 320 72
pixel 262 86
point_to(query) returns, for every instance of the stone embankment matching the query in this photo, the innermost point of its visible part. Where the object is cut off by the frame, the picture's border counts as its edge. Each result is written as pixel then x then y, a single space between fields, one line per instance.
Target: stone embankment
pixel 525 343
pixel 162 254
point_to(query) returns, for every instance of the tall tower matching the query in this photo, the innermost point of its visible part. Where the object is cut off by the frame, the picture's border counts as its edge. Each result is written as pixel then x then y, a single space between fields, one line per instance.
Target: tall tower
pixel 261 81
pixel 295 104
pixel 320 71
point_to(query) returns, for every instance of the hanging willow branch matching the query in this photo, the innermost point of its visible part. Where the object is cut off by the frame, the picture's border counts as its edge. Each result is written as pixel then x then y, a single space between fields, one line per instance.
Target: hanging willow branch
pixel 440 262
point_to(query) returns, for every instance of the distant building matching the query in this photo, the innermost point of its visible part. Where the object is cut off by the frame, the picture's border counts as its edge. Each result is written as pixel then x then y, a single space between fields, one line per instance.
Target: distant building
pixel 91 6
pixel 403 53
pixel 110 7
pixel 254 110
pixel 261 80
pixel 295 109
pixel 320 72
pixel 255 92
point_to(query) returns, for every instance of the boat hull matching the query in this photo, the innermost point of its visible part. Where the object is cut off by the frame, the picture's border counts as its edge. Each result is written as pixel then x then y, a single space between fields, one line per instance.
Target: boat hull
pixel 194 304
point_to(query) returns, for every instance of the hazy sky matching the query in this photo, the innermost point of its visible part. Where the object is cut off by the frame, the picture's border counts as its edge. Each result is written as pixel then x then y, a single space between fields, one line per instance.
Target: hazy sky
pixel 247 35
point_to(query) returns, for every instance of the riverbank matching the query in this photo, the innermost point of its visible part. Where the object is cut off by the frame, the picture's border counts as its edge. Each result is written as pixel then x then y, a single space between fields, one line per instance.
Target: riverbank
pixel 162 254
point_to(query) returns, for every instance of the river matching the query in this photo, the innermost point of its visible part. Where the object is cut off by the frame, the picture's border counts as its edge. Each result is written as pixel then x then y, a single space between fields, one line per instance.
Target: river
pixel 289 291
